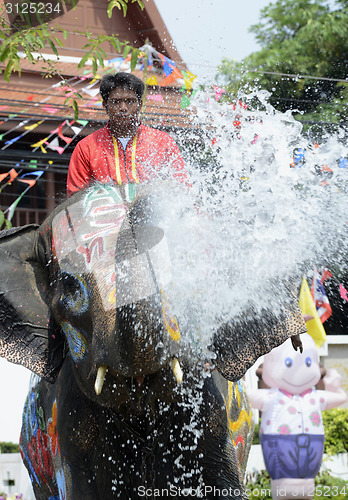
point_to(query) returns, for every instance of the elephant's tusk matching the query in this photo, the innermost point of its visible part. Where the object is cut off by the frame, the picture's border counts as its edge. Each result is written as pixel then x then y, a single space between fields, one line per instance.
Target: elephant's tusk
pixel 176 369
pixel 99 381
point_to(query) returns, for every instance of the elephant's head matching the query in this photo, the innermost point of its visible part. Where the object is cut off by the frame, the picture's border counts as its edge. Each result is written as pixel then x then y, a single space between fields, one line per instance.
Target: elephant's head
pixel 91 281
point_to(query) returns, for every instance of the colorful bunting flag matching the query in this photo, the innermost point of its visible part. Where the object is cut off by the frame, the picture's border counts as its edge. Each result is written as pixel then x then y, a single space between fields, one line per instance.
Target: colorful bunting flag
pixel 343 292
pixel 185 101
pixel 14 139
pixel 40 144
pixel 174 75
pixel 188 78
pixel 320 298
pixel 34 125
pixel 152 80
pixel 54 145
pixel 90 92
pixel 50 110
pixel 155 97
pixel 11 208
pixel 31 182
pixel 76 130
pixel 218 92
pixel 12 174
pixel 63 137
pixel 343 162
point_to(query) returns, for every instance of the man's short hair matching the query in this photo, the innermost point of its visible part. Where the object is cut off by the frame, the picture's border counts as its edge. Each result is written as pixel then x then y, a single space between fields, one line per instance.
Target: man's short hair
pixel 123 80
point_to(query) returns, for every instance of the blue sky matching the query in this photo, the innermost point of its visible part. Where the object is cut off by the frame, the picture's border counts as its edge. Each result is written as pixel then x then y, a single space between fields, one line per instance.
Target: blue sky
pixel 205 31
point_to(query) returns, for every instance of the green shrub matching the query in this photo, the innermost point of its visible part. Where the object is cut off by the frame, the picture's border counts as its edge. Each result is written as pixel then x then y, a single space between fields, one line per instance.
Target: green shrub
pixel 336 430
pixel 259 486
pixel 8 447
pixel 330 487
pixel 256 436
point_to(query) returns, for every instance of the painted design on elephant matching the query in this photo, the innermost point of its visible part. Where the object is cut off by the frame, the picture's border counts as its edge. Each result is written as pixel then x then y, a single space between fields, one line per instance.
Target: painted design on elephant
pixel 88 228
pixel 33 417
pixel 77 342
pixel 37 452
pixel 64 480
pixel 239 416
pixel 170 322
pixel 52 431
pixel 78 301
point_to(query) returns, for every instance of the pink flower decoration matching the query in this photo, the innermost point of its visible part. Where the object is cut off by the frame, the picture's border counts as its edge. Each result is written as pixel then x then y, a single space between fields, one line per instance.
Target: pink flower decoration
pixel 322 400
pixel 312 401
pixel 268 422
pixel 284 430
pixel 292 410
pixel 315 418
pixel 281 401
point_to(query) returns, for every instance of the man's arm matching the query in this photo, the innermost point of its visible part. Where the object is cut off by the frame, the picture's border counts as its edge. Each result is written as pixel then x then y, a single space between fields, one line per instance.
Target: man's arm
pixel 79 173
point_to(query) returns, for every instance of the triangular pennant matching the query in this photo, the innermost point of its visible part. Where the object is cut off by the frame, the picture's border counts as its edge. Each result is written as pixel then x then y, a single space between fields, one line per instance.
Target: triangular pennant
pixel 152 80
pixel 12 174
pixel 31 182
pixel 155 97
pixel 185 101
pixel 54 145
pixel 90 92
pixel 63 137
pixel 218 92
pixel 188 78
pixel 50 110
pixel 82 122
pixel 39 144
pixel 76 130
pixel 175 74
pixel 34 125
pixel 15 139
pixel 56 130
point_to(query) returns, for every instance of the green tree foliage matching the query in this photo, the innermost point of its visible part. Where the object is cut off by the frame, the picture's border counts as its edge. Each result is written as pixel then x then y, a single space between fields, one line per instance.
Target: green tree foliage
pixel 4 223
pixel 302 61
pixel 25 33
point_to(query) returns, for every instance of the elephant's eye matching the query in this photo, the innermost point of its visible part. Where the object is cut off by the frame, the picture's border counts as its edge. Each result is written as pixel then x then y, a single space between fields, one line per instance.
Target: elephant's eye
pixel 308 362
pixel 288 362
pixel 75 293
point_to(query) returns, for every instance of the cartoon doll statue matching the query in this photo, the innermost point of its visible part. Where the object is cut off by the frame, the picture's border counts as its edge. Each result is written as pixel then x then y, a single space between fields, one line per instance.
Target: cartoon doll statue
pixel 291 430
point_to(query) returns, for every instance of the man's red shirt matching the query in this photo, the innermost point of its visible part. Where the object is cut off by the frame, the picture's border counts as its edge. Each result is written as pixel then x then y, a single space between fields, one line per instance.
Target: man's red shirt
pixel 149 154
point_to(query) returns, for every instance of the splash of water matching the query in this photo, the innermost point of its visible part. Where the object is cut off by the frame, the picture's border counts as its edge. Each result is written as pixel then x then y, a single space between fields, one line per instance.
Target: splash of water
pixel 259 220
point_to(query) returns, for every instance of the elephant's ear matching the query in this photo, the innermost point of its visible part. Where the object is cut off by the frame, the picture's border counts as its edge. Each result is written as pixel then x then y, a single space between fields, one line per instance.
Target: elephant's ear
pixel 28 333
pixel 240 343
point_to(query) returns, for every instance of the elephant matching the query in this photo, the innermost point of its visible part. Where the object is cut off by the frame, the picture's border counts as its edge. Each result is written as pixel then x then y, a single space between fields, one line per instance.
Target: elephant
pixel 120 406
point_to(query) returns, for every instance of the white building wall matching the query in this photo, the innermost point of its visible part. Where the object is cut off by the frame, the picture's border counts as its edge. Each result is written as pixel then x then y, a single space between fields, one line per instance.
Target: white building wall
pixel 12 469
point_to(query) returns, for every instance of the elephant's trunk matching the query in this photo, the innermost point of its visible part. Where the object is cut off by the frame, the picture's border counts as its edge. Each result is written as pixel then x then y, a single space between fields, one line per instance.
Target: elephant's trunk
pixel 140 344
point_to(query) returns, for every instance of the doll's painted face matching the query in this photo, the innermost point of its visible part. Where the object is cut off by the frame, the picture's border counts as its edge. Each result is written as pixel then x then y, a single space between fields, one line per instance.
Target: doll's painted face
pixel 287 369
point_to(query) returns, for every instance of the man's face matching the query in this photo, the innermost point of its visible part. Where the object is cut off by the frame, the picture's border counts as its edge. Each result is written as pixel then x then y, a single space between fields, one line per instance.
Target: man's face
pixel 123 108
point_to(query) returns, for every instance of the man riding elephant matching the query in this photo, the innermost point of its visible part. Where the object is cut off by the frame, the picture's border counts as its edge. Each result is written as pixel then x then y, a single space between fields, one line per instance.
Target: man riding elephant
pixel 124 151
